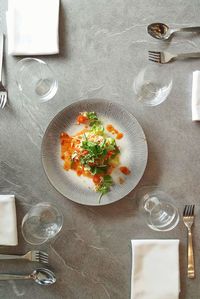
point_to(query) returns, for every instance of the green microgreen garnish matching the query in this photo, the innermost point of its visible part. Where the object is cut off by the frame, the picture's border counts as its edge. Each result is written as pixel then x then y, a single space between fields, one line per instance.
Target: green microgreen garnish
pixel 105 186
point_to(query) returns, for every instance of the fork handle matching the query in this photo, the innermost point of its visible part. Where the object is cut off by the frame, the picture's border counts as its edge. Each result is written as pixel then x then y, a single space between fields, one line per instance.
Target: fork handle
pixel 188 55
pixel 190 270
pixel 1 54
pixel 10 257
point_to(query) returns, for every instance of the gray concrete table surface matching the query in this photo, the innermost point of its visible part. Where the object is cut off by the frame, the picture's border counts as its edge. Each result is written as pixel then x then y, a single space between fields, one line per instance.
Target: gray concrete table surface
pixel 103 44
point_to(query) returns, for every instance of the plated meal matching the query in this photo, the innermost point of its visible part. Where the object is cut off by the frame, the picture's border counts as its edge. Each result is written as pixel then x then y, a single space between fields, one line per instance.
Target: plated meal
pixel 94 152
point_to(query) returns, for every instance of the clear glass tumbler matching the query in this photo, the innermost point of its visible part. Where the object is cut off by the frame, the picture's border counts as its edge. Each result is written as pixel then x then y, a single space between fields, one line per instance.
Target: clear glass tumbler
pixel 35 79
pixel 153 84
pixel 158 208
pixel 41 223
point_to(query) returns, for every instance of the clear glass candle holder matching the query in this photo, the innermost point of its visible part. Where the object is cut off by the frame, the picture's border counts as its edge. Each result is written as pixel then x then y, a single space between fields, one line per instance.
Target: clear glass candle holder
pixel 157 208
pixel 35 79
pixel 43 222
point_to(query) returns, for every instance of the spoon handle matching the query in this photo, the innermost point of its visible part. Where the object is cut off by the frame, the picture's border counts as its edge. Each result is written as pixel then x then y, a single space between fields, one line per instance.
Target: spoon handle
pixel 13 276
pixel 188 29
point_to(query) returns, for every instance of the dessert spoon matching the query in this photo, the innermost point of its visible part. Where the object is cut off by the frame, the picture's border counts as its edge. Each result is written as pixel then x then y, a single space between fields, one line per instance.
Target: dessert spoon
pixel 163 32
pixel 41 276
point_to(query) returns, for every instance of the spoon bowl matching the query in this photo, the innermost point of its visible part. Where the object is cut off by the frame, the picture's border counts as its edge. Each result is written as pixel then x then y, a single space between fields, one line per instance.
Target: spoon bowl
pixel 43 276
pixel 159 30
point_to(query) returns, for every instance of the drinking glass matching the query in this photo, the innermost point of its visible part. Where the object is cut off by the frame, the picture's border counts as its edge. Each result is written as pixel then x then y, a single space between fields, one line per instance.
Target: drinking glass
pixel 41 223
pixel 153 84
pixel 157 208
pixel 35 79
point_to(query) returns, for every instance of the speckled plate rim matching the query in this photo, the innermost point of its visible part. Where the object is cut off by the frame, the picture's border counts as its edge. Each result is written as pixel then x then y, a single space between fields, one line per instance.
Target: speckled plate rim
pixel 88 101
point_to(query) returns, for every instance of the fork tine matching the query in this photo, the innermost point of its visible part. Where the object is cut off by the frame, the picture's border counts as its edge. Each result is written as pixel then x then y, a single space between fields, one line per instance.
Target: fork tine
pixel 184 211
pixel 43 257
pixel 5 100
pixel 154 54
pixel 42 253
pixel 193 209
pixel 42 260
pixel 154 57
pixel 154 60
pixel 188 210
pixel 1 103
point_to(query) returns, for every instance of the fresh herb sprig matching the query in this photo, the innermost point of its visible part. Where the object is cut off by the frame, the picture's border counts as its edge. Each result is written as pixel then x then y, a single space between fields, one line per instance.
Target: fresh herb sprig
pixel 105 186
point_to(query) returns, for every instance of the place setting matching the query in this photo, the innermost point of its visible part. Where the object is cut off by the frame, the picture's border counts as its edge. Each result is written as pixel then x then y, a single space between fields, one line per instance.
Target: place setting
pixel 42 223
pixel 93 153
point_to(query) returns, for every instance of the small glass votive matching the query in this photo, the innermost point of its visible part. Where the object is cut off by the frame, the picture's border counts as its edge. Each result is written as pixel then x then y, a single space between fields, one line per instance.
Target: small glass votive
pixel 153 84
pixel 157 208
pixel 35 79
pixel 43 222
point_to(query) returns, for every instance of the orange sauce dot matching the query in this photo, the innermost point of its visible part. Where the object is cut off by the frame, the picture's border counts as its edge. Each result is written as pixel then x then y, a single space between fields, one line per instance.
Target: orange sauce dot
pixel 113 131
pixel 125 170
pixel 79 172
pixel 119 136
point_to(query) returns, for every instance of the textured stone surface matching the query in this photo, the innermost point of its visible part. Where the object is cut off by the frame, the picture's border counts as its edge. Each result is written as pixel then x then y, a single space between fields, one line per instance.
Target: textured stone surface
pixel 103 45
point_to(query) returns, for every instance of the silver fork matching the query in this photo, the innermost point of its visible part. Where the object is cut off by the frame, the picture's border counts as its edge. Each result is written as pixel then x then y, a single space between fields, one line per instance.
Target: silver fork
pixel 188 219
pixel 3 91
pixel 33 256
pixel 165 57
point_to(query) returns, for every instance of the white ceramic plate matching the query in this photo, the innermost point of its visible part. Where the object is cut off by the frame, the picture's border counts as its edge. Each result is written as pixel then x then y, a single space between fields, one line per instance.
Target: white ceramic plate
pixel 133 147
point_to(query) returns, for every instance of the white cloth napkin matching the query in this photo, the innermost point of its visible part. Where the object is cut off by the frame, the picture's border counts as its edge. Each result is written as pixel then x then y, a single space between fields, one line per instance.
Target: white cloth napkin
pixel 8 221
pixel 32 27
pixel 196 96
pixel 155 269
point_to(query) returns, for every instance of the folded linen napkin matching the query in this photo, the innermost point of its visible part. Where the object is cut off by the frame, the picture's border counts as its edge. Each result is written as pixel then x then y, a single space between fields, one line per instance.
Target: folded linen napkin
pixel 196 96
pixel 8 221
pixel 32 27
pixel 155 269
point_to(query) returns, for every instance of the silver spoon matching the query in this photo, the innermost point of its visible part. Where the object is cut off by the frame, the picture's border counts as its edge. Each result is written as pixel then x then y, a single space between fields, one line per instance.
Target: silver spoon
pixel 163 32
pixel 41 276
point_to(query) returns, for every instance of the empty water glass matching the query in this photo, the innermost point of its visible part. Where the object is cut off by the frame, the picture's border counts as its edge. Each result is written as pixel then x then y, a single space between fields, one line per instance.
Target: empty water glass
pixel 41 223
pixel 153 84
pixel 35 79
pixel 158 209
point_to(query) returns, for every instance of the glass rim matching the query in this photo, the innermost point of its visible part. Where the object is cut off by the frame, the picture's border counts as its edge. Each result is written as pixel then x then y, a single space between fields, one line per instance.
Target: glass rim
pixel 31 58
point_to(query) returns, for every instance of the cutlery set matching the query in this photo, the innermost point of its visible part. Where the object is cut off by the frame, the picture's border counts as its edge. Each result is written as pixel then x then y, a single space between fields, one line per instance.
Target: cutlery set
pixel 162 32
pixel 41 276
